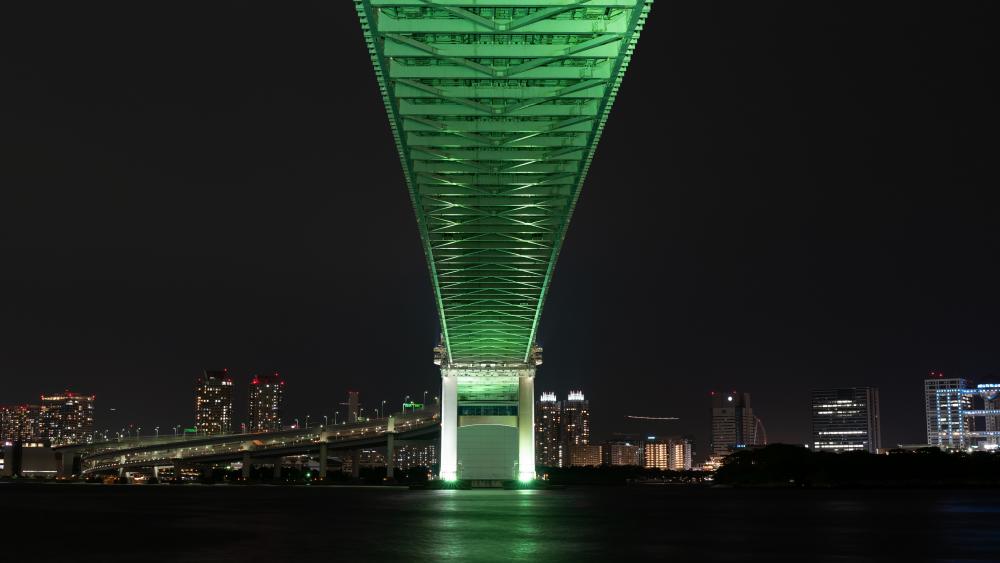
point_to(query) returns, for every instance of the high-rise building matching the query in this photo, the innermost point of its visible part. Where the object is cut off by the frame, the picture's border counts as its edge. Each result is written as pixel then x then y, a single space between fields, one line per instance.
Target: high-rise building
pixel 67 418
pixel 213 412
pixel 20 423
pixel 575 420
pixel 680 455
pixel 954 410
pixel 585 455
pixel 733 423
pixel 657 453
pixel 946 402
pixel 667 453
pixel 548 427
pixel 266 395
pixel 619 453
pixel 415 453
pixel 353 406
pixel 846 420
pixel 622 452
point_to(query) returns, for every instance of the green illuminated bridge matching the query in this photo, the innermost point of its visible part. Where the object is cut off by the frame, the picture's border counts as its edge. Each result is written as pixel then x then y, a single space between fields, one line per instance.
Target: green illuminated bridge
pixel 496 107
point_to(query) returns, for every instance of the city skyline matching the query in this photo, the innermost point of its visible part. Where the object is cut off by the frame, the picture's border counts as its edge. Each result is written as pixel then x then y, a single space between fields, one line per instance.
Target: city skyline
pixel 240 418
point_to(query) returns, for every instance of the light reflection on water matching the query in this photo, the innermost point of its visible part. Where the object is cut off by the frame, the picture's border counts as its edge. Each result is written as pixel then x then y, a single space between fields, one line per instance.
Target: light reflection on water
pixel 479 524
pixel 274 524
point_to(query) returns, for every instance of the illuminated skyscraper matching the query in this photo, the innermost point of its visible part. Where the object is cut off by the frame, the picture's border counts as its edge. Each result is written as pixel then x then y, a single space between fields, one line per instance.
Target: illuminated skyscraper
pixel 266 395
pixel 733 423
pixel 680 455
pixel 575 420
pixel 846 420
pixel 668 453
pixel 960 416
pixel 657 453
pixel 415 453
pixel 20 423
pixel 548 427
pixel 214 403
pixel 67 418
pixel 946 402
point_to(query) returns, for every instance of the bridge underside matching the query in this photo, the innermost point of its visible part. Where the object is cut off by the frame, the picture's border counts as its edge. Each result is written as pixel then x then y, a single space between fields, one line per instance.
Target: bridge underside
pixel 496 107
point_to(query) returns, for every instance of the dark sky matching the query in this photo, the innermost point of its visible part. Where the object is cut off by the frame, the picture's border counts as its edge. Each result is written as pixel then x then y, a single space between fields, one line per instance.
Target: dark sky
pixel 787 196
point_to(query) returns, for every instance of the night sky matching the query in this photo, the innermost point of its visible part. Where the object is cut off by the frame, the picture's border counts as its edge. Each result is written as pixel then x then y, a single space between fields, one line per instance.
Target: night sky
pixel 786 196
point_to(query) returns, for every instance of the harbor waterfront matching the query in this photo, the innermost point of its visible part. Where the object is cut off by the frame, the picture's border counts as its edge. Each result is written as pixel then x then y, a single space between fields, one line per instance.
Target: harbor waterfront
pixel 680 523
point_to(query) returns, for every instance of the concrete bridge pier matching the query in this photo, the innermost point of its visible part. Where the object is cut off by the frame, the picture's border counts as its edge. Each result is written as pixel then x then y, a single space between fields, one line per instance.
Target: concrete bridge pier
pixel 355 455
pixel 277 468
pixel 322 461
pixel 246 466
pixel 178 467
pixel 68 462
pixel 121 466
pixel 390 449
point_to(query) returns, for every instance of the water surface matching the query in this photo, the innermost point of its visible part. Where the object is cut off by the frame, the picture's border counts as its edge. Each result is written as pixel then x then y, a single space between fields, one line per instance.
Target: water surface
pixel 274 524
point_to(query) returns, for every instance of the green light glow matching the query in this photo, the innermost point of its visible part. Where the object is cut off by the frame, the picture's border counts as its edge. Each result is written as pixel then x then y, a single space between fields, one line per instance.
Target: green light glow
pixel 496 109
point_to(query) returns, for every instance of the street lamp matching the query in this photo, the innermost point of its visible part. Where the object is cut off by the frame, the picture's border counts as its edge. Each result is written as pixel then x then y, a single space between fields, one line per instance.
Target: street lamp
pixel 425 399
pixel 383 407
pixel 157 429
pixel 335 413
pixel 326 420
pixel 176 428
pixel 307 422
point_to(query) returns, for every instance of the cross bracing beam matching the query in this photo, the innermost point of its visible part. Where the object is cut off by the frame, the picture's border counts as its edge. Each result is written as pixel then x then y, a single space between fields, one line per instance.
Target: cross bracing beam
pixel 441 70
pixel 515 4
pixel 496 107
pixel 389 24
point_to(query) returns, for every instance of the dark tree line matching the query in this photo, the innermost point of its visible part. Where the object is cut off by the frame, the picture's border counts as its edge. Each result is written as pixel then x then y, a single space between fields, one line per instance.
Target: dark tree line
pixel 785 465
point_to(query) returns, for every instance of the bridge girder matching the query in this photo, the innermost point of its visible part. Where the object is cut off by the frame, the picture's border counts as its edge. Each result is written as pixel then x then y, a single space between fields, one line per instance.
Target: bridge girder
pixel 496 107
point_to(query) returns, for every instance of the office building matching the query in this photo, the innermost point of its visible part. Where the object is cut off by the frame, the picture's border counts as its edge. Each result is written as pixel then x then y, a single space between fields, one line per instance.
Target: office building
pixel 846 420
pixel 266 395
pixel 548 431
pixel 214 403
pixel 734 424
pixel 945 403
pixel 962 417
pixel 575 420
pixel 622 452
pixel 584 455
pixel 20 423
pixel 415 453
pixel 67 418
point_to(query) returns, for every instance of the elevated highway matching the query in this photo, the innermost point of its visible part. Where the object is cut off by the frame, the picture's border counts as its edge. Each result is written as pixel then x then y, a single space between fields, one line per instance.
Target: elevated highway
pixel 263 447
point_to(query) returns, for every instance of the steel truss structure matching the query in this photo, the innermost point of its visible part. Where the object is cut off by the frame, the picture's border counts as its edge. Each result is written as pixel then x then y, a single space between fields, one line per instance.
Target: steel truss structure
pixel 496 107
